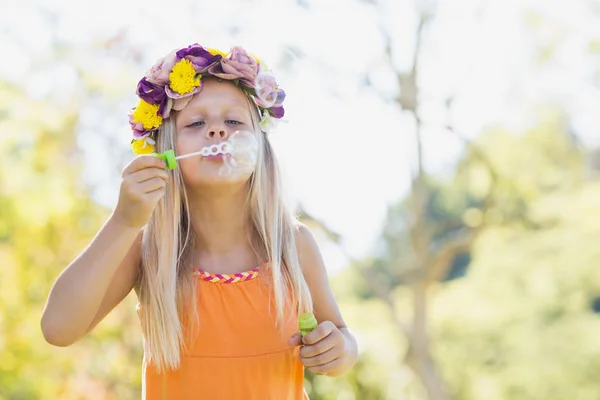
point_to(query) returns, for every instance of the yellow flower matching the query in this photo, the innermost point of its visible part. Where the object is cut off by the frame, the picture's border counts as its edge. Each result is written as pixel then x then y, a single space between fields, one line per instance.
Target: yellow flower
pixel 183 77
pixel 142 146
pixel 147 114
pixel 215 52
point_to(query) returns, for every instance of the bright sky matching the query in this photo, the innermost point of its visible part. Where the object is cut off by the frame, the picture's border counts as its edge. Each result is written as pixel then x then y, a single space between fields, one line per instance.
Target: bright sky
pixel 346 151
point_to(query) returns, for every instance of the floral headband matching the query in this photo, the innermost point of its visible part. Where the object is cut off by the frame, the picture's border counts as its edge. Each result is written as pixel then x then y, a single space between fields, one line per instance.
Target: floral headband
pixel 175 78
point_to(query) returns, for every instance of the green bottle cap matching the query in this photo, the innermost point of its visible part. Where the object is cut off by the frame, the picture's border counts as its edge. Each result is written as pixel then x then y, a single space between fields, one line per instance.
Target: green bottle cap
pixel 169 157
pixel 307 322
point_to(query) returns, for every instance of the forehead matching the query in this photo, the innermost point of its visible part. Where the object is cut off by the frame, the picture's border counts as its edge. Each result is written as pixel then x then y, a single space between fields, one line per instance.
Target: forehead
pixel 218 93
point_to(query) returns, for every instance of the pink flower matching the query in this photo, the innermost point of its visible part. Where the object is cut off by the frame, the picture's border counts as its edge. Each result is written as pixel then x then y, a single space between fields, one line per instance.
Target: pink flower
pixel 268 94
pixel 180 100
pixel 170 84
pixel 266 90
pixel 159 73
pixel 238 64
pixel 180 103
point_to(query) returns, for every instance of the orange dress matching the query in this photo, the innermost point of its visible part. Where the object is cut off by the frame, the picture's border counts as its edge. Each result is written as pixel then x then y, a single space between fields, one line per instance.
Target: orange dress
pixel 239 354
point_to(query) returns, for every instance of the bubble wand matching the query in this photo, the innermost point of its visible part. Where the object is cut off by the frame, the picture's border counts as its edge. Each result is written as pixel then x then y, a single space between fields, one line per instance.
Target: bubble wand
pixel 241 146
pixel 213 150
pixel 307 323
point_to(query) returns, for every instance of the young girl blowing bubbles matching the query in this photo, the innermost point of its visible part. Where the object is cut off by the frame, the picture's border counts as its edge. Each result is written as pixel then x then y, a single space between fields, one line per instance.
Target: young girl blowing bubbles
pixel 220 266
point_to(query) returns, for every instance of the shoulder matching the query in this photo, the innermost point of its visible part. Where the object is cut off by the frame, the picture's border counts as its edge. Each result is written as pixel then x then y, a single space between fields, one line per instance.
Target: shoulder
pixel 305 239
pixel 315 273
pixel 303 234
pixel 309 254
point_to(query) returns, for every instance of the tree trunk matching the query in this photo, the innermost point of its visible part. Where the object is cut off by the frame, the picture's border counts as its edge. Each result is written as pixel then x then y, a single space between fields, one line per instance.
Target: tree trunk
pixel 419 357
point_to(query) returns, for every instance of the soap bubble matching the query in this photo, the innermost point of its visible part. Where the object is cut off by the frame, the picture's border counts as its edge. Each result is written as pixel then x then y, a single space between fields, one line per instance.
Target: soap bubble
pixel 242 148
pixel 266 89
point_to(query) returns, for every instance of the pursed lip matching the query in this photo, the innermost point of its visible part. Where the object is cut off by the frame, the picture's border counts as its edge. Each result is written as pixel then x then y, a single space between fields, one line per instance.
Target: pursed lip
pixel 216 157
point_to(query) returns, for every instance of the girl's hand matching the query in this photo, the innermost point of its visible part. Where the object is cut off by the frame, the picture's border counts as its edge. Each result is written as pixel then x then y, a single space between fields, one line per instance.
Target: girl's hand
pixel 143 185
pixel 324 348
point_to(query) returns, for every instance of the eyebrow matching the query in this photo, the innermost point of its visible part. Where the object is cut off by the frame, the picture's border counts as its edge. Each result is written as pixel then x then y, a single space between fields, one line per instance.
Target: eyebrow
pixel 193 112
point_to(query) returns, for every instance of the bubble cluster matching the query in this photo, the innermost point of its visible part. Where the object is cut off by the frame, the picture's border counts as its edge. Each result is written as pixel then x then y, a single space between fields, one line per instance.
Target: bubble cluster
pixel 265 88
pixel 242 151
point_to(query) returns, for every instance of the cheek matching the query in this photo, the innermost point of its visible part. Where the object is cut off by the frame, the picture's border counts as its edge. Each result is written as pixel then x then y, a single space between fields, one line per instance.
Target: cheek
pixel 187 143
pixel 188 166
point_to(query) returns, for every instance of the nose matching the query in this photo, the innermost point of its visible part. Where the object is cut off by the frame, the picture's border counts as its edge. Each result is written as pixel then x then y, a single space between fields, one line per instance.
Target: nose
pixel 216 133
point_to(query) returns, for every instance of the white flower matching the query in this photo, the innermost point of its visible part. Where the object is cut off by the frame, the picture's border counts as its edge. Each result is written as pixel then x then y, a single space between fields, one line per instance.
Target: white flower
pixel 266 122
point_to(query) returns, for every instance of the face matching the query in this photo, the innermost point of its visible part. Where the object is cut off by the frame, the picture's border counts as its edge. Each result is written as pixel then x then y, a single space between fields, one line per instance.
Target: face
pixel 210 118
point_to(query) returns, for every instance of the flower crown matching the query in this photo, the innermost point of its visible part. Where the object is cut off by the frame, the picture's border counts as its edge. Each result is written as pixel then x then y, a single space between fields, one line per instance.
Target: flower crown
pixel 174 79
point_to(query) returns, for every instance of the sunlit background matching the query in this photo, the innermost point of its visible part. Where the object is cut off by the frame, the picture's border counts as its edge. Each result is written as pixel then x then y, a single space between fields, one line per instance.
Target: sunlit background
pixel 445 153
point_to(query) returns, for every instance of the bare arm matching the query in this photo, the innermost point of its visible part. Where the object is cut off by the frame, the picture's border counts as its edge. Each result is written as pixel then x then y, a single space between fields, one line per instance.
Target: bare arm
pixel 331 348
pixel 105 272
pixel 93 284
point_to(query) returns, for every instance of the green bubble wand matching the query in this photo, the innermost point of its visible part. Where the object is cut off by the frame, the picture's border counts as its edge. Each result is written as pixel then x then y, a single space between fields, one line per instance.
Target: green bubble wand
pixel 171 159
pixel 307 323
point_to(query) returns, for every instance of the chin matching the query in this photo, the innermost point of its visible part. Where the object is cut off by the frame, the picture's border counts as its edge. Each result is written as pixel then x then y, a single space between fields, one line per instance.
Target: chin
pixel 215 180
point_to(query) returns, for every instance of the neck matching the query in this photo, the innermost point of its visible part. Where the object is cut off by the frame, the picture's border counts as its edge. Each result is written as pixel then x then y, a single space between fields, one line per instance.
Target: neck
pixel 219 220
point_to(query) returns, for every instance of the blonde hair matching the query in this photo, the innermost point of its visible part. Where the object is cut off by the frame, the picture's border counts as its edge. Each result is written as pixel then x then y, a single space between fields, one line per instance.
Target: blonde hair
pixel 167 289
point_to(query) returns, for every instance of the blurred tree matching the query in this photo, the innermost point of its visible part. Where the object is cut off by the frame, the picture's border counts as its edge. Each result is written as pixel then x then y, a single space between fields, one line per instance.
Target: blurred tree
pixel 427 241
pixel 47 217
pixel 430 236
pixel 512 235
pixel 531 281
pixel 519 325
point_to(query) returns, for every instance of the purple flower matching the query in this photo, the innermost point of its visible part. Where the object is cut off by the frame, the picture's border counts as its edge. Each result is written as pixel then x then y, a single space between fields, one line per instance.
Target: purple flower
pixel 199 56
pixel 150 92
pixel 266 90
pixel 165 107
pixel 280 98
pixel 275 104
pixel 155 94
pixel 276 112
pixel 159 73
pixel 155 87
pixel 238 64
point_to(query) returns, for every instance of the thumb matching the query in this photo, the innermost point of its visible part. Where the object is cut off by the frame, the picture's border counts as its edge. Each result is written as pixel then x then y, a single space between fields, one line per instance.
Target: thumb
pixel 295 340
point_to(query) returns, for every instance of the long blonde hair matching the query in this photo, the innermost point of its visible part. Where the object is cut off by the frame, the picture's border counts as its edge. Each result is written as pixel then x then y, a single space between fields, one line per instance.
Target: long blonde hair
pixel 167 289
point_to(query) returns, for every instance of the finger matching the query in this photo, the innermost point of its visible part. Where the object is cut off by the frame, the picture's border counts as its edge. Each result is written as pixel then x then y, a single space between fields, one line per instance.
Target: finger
pixel 322 358
pixel 152 184
pixel 149 173
pixel 311 350
pixel 295 340
pixel 144 161
pixel 156 194
pixel 319 333
pixel 325 368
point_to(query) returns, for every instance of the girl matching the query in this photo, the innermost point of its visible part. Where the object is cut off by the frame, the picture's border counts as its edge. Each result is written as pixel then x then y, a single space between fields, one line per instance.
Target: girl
pixel 220 267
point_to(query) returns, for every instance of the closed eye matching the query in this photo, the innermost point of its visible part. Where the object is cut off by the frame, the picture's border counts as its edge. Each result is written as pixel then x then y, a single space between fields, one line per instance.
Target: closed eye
pixel 233 122
pixel 194 124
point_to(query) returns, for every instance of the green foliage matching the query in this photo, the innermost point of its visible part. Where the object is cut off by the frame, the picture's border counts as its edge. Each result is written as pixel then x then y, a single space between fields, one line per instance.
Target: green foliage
pixel 46 219
pixel 520 324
